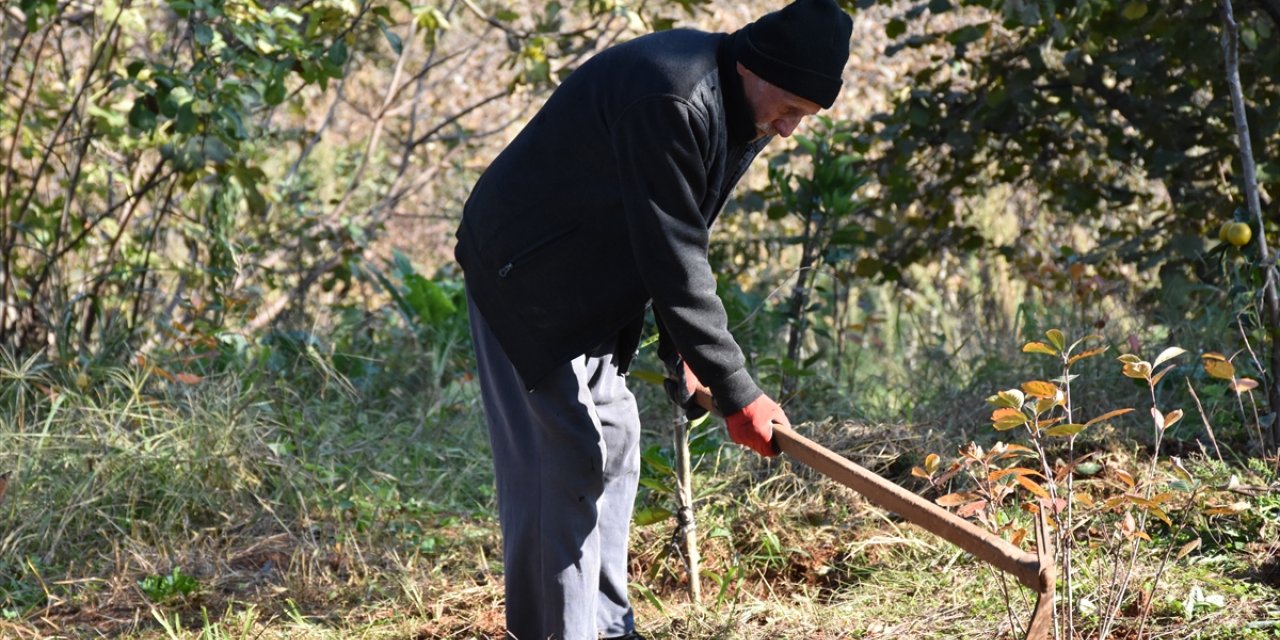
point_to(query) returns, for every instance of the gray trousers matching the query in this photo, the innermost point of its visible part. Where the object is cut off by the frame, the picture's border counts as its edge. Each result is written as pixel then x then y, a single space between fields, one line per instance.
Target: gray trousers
pixel 566 457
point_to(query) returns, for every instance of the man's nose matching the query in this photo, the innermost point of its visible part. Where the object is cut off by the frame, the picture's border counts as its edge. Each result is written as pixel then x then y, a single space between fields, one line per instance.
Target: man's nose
pixel 786 125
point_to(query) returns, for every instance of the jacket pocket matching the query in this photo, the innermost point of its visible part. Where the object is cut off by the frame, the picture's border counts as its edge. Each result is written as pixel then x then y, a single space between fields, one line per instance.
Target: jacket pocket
pixel 529 252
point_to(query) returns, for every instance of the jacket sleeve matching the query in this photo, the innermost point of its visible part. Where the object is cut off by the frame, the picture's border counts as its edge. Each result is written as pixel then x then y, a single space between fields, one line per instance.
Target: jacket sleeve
pixel 662 145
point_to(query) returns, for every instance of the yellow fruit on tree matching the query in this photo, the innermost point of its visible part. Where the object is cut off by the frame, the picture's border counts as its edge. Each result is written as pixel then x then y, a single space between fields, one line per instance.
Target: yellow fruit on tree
pixel 1239 234
pixel 1222 231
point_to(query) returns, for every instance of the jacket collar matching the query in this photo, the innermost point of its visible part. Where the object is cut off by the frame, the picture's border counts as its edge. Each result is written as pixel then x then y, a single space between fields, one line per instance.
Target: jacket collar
pixel 737 113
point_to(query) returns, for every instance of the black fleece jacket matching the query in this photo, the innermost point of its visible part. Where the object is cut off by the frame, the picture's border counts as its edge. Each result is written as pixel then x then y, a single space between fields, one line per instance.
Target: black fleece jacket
pixel 604 202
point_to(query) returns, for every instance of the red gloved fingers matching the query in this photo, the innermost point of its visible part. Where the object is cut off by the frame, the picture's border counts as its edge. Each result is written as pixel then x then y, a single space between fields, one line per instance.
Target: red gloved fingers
pixel 691 381
pixel 752 426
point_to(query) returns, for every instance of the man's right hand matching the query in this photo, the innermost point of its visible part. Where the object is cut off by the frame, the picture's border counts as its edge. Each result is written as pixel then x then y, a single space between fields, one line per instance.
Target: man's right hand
pixel 752 426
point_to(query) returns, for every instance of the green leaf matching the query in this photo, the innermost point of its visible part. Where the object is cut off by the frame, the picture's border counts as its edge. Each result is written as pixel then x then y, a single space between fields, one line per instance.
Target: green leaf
pixel 397 45
pixel 338 53
pixel 142 118
pixel 1088 468
pixel 650 515
pixel 428 300
pixel 214 149
pixel 939 6
pixel 203 34
pixel 186 119
pixel 967 35
pixel 1065 430
pixel 1056 338
pixel 895 28
pixel 275 93
pixel 650 377
pixel 1134 10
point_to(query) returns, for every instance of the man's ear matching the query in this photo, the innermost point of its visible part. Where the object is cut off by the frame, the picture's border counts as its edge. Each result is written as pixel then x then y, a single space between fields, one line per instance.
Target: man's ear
pixel 743 71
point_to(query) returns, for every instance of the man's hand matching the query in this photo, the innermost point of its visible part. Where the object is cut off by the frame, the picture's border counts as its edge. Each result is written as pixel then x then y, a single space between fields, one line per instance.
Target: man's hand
pixel 684 389
pixel 752 426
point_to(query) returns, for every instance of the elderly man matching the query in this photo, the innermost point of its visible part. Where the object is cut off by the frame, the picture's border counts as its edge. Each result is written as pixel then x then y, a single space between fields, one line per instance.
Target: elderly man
pixel 600 208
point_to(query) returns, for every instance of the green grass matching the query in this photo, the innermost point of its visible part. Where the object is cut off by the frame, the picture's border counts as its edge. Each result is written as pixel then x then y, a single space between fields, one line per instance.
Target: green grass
pixel 299 502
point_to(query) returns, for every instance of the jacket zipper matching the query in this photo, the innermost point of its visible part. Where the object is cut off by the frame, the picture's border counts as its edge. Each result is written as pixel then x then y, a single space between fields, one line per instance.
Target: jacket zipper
pixel 538 246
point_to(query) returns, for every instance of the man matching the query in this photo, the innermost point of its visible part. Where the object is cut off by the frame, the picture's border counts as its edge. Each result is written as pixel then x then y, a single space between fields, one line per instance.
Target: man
pixel 600 207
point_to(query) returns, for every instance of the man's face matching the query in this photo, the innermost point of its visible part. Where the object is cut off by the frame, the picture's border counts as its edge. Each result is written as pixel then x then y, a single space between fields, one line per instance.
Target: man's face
pixel 776 111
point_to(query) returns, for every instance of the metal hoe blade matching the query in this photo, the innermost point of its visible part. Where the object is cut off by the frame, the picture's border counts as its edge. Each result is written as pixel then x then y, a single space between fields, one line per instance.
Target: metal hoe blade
pixel 1034 571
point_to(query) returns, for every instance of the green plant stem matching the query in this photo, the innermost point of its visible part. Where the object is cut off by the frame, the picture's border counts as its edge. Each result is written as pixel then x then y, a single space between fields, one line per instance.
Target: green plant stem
pixel 1155 582
pixel 1114 609
pixel 1066 540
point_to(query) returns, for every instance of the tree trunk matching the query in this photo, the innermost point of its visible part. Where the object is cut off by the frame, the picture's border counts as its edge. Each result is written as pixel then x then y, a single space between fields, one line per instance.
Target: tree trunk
pixel 1271 300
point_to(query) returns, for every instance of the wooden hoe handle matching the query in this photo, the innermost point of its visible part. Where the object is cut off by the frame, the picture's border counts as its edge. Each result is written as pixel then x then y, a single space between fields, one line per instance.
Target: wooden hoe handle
pixel 1034 571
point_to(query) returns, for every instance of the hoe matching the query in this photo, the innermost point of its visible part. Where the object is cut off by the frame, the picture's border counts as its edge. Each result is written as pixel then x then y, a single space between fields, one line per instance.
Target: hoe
pixel 1035 571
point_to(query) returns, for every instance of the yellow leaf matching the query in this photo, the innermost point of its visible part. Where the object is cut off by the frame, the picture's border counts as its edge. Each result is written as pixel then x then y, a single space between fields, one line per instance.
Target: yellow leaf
pixel 1039 347
pixel 1018 536
pixel 1019 449
pixel 1187 548
pixel 1243 384
pixel 1030 485
pixel 1011 398
pixel 1177 466
pixel 953 499
pixel 1212 355
pixel 1018 471
pixel 1228 509
pixel 1107 416
pixel 1171 352
pixel 188 378
pixel 1125 477
pixel 1084 499
pixel 1007 418
pixel 1156 378
pixel 1140 370
pixel 1172 418
pixel 1045 404
pixel 931 462
pixel 1086 354
pixel 1159 513
pixel 1220 369
pixel 1128 525
pixel 919 473
pixel 1158 417
pixel 1040 389
pixel 971 509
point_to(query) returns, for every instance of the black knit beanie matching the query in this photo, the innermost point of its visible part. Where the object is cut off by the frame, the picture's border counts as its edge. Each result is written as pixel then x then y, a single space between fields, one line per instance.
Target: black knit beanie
pixel 801 48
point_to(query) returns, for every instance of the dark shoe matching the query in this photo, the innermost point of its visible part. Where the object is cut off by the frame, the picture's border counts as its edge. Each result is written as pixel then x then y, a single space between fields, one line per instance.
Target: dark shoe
pixel 630 636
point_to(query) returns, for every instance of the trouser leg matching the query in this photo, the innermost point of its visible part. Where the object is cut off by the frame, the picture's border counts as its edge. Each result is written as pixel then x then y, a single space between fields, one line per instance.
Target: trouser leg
pixel 620 427
pixel 566 462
